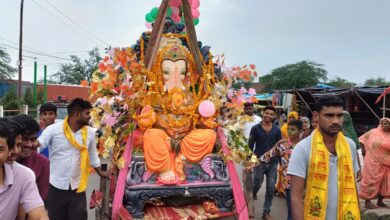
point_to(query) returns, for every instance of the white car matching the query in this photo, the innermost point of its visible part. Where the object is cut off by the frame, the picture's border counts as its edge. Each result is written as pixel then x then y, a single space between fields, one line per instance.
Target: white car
pixel 62 112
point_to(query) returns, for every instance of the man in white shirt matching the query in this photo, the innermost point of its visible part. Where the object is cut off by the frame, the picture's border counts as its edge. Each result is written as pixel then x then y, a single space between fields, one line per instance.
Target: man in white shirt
pixel 251 118
pixel 248 121
pixel 67 199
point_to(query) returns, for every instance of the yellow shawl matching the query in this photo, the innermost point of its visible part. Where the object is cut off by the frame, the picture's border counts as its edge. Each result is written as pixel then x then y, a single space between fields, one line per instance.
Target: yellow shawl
pixel 316 198
pixel 84 157
pixel 283 129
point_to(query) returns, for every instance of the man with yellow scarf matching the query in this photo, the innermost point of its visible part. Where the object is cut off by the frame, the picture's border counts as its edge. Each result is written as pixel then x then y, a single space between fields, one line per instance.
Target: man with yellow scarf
pixel 323 166
pixel 72 153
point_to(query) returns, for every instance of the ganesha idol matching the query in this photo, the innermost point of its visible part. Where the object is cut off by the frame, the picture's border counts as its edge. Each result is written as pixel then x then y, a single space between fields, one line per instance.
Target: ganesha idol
pixel 177 118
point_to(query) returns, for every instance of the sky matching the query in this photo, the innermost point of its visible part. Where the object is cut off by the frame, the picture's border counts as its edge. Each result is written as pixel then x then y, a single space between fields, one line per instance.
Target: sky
pixel 351 38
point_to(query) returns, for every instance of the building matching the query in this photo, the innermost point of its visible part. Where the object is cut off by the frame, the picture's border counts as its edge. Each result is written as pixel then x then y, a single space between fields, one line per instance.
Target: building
pixel 6 85
pixel 64 93
pixel 54 92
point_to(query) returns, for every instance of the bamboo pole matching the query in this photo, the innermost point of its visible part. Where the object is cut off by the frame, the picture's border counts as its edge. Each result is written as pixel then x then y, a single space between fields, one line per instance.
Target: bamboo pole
pixel 35 83
pixel 248 192
pixel 193 42
pixel 155 36
pixel 367 105
pixel 20 66
pixel 105 189
pixel 307 105
pixel 44 84
pixel 384 107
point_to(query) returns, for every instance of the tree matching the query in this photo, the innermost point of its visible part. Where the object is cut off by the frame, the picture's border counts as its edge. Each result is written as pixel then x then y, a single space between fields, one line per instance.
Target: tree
pixel 341 83
pixel 10 101
pixel 6 71
pixel 28 98
pixel 297 75
pixel 380 81
pixel 78 70
pixel 40 98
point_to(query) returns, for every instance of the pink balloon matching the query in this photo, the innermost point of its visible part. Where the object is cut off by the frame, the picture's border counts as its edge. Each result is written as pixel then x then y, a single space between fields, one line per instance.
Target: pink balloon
pixel 206 108
pixel 148 25
pixel 175 10
pixel 195 13
pixel 195 4
pixel 175 3
pixel 176 18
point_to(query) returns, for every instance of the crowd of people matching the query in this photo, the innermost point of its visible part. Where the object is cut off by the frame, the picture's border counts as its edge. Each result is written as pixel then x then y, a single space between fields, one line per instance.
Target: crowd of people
pixel 44 167
pixel 315 164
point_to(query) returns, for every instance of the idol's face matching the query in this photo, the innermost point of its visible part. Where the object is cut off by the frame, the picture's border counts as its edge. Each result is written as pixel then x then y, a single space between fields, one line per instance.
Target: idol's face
pixel 174 74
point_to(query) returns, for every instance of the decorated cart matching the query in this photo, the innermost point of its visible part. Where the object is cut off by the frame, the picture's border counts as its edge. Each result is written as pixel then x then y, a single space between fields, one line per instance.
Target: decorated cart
pixel 159 107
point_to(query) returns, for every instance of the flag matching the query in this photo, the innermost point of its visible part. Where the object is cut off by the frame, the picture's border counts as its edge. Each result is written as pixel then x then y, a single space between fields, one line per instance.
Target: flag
pixel 382 95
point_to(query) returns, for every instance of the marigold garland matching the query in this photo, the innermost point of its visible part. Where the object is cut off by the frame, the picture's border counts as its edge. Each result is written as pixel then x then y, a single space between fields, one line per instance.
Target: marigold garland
pixel 122 86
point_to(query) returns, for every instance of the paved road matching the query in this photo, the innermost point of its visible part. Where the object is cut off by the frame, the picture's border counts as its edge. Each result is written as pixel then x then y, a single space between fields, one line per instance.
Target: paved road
pixel 279 208
pixel 94 182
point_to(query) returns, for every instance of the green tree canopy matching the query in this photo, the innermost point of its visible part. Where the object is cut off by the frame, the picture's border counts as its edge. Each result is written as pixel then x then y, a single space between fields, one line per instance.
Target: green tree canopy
pixel 40 98
pixel 10 101
pixel 341 83
pixel 77 70
pixel 379 81
pixel 6 71
pixel 28 98
pixel 297 75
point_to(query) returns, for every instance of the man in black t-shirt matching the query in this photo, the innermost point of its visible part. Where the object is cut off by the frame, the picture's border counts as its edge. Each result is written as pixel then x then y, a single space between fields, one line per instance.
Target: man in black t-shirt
pixel 262 138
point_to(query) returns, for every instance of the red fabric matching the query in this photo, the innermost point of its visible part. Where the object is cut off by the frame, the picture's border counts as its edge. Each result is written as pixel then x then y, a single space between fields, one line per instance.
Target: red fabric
pixel 96 199
pixel 41 167
pixel 239 199
pixel 124 214
pixel 383 94
pixel 121 181
pixel 181 213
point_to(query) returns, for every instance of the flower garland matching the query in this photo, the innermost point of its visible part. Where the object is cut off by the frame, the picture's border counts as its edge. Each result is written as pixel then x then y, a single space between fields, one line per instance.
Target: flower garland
pixel 122 86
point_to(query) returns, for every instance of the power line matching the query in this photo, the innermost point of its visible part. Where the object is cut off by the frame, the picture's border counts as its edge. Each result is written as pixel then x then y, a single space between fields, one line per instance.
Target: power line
pixel 48 55
pixel 47 11
pixel 2 38
pixel 40 63
pixel 14 47
pixel 29 51
pixel 29 57
pixel 76 51
pixel 56 52
pixel 70 52
pixel 75 23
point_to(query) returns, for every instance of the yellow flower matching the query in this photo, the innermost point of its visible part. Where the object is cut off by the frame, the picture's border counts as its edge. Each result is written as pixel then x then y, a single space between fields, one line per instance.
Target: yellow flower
pixel 107 109
pixel 120 163
pixel 110 142
pixel 95 122
pixel 106 153
pixel 107 131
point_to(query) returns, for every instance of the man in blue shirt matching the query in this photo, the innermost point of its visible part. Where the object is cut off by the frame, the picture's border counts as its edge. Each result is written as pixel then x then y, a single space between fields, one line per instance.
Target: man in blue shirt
pixel 262 138
pixel 47 115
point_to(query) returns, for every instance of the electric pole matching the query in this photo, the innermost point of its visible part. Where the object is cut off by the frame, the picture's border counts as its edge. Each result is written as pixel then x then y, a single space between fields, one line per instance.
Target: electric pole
pixel 20 50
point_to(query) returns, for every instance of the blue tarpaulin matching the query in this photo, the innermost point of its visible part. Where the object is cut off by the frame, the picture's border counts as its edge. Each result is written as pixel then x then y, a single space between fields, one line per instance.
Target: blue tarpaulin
pixel 261 96
pixel 324 86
